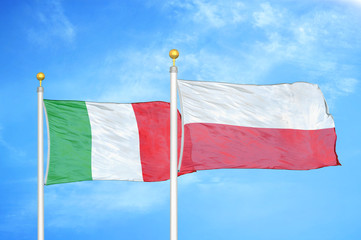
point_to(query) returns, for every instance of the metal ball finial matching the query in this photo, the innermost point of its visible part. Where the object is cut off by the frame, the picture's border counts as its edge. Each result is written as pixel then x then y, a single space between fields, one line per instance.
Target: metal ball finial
pixel 40 76
pixel 173 54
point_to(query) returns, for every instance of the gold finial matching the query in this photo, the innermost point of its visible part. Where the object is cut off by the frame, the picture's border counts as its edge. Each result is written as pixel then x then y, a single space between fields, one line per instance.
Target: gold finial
pixel 173 54
pixel 40 76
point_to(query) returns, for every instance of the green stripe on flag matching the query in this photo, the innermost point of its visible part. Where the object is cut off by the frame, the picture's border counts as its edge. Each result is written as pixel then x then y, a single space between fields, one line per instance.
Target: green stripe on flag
pixel 70 142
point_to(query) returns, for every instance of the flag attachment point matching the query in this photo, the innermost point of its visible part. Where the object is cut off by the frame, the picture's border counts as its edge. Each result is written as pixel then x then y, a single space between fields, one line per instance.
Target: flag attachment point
pixel 173 54
pixel 40 76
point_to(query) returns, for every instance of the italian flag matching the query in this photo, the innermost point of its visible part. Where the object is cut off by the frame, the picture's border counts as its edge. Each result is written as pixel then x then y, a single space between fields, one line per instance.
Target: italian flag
pixel 108 141
pixel 282 126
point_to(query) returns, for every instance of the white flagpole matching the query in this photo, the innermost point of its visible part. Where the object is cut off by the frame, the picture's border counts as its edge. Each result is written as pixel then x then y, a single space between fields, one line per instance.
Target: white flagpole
pixel 40 76
pixel 173 148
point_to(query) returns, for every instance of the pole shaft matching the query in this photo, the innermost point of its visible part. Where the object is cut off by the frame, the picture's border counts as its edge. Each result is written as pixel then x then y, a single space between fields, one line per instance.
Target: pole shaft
pixel 40 165
pixel 173 155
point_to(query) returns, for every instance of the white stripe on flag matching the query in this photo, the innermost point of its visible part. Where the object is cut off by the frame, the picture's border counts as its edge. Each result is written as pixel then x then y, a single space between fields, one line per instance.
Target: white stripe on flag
pixel 115 143
pixel 286 106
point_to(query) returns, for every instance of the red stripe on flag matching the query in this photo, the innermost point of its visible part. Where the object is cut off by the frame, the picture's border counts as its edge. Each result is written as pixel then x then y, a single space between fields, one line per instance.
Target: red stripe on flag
pixel 153 119
pixel 214 146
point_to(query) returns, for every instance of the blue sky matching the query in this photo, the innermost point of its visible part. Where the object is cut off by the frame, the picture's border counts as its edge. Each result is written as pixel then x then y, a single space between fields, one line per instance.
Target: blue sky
pixel 118 51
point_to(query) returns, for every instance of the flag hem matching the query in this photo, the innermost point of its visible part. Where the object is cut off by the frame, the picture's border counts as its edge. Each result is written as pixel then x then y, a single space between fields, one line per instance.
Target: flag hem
pixel 48 133
pixel 182 122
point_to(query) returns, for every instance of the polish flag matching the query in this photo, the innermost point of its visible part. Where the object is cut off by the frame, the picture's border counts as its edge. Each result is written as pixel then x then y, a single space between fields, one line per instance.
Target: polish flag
pixel 282 126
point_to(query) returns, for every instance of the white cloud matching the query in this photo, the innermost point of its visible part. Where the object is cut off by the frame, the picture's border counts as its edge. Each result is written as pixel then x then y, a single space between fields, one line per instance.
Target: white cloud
pixel 214 14
pixel 338 87
pixel 135 76
pixel 52 24
pixel 353 2
pixel 304 35
pixel 77 205
pixel 218 15
pixel 306 41
pixel 86 204
pixel 268 16
pixel 348 85
pixel 311 42
pixel 209 66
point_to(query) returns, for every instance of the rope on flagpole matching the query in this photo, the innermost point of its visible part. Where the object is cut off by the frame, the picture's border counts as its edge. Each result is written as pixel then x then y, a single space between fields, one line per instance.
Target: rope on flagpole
pixel 40 76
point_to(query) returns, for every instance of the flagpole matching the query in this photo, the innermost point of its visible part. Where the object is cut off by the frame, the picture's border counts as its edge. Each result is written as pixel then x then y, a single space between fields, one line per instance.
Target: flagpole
pixel 40 76
pixel 173 148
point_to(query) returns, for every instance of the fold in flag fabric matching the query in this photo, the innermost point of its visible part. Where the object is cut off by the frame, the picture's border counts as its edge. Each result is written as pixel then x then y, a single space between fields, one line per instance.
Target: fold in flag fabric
pixel 283 126
pixel 108 141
